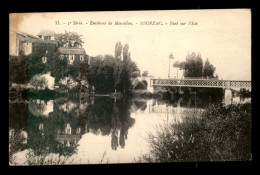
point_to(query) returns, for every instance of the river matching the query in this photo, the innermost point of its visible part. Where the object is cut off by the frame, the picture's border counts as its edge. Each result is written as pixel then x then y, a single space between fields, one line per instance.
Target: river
pixel 94 130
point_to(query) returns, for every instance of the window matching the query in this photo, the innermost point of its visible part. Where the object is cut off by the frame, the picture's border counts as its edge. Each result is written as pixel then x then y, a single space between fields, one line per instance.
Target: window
pixel 44 60
pixel 61 56
pixel 81 58
pixel 72 57
pixel 68 129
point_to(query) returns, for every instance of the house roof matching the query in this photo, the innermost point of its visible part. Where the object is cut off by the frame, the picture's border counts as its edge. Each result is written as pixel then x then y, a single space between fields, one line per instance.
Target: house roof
pixel 46 33
pixel 71 50
pixel 27 35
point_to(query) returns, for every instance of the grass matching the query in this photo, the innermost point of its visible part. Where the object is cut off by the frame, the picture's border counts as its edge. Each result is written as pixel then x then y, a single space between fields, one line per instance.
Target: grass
pixel 51 159
pixel 219 134
pixel 44 159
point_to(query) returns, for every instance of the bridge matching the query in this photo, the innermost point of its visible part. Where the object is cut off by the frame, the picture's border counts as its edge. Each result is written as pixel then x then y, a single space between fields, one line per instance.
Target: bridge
pixel 193 82
pixel 213 83
pixel 227 85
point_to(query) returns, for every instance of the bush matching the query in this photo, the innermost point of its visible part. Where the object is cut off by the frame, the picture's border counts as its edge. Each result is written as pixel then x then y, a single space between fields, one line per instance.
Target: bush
pixel 219 134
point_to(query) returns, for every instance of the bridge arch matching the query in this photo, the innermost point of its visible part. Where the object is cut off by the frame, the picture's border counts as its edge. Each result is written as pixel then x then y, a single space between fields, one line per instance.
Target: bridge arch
pixel 148 81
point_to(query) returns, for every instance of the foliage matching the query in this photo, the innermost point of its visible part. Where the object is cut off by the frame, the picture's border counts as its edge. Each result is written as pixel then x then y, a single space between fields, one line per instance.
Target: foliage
pixel 176 64
pixel 59 68
pixel 193 66
pixel 118 66
pixel 245 93
pixel 101 71
pixel 39 82
pixel 69 39
pixel 126 74
pixel 145 73
pixel 41 47
pixel 118 50
pixel 208 70
pixel 136 74
pixel 45 159
pixel 221 133
pixel 110 73
pixel 18 69
pixel 40 50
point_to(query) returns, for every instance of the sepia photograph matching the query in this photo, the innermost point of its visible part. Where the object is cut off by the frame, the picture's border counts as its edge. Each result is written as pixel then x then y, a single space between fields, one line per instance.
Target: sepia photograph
pixel 130 87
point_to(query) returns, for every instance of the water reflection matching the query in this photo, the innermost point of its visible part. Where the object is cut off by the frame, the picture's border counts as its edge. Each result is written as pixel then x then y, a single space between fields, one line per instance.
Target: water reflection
pixel 56 126
pixel 78 128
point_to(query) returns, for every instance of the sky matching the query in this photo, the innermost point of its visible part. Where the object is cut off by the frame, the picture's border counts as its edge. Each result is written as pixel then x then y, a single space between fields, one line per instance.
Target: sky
pixel 222 36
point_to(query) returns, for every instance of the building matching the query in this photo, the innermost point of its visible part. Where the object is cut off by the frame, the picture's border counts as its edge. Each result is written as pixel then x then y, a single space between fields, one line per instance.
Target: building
pixel 47 35
pixel 20 43
pixel 24 44
pixel 72 54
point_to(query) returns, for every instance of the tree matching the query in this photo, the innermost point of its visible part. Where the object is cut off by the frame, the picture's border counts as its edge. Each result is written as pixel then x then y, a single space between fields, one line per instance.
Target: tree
pixel 110 73
pixel 134 70
pixel 193 65
pixel 118 50
pixel 182 65
pixel 176 64
pixel 35 65
pixel 96 76
pixel 59 68
pixel 208 70
pixel 40 50
pixel 39 82
pixel 18 69
pixel 145 73
pixel 126 74
pixel 69 39
pixel 136 74
pixel 84 71
pixel 118 66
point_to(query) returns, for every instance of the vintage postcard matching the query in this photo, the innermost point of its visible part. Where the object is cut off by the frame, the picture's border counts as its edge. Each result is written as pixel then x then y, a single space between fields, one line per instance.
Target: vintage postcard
pixel 114 87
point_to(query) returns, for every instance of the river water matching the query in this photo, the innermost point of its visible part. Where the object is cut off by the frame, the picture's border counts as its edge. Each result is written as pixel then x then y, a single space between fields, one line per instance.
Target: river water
pixel 94 130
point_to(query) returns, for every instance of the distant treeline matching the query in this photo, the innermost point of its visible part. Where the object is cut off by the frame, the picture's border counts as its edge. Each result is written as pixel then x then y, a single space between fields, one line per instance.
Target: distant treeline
pixel 113 73
pixel 194 66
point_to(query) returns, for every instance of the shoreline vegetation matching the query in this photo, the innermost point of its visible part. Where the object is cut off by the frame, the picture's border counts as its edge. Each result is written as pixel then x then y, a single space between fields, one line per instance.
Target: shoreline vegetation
pixel 221 133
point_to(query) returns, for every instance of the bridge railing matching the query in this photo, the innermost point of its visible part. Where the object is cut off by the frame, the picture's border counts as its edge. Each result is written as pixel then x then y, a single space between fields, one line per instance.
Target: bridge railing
pixel 201 83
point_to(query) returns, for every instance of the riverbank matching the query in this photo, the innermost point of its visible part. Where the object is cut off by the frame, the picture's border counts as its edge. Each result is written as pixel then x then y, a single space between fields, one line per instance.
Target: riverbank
pixel 219 134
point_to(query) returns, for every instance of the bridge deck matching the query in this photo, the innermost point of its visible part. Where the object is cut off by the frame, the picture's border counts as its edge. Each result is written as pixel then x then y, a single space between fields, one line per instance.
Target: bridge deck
pixel 201 83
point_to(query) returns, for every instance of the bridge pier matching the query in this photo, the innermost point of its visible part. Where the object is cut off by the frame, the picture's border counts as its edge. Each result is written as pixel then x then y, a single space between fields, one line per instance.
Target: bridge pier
pixel 228 96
